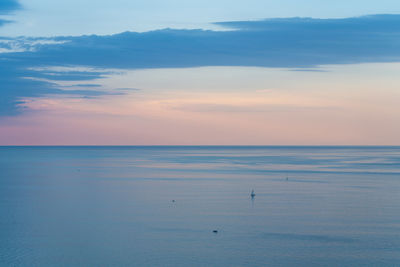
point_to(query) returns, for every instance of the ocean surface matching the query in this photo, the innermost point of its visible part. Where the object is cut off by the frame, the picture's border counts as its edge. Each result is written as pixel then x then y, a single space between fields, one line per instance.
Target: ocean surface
pixel 159 206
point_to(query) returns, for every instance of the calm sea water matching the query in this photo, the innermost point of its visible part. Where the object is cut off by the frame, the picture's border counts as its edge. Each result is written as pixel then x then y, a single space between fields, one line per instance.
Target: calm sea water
pixel 113 206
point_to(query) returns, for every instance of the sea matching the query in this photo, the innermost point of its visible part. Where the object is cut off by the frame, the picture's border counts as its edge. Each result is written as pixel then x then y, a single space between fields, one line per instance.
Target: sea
pixel 191 206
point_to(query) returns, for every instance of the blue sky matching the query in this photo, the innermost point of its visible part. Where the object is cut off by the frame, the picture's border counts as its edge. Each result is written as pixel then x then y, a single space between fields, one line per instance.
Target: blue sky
pixel 76 17
pixel 69 49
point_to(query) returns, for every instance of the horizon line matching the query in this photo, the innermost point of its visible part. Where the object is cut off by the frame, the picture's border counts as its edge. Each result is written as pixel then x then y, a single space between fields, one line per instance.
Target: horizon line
pixel 272 146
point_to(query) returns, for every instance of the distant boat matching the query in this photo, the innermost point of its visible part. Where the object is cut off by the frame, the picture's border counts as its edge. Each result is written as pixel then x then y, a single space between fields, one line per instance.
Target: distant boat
pixel 252 194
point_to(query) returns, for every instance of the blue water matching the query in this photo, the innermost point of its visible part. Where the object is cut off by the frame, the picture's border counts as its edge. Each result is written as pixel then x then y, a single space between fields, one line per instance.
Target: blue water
pixel 113 206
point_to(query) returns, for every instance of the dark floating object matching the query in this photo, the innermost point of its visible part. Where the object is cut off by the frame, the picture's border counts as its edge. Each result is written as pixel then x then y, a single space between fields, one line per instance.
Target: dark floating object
pixel 173 200
pixel 252 194
pixel 215 231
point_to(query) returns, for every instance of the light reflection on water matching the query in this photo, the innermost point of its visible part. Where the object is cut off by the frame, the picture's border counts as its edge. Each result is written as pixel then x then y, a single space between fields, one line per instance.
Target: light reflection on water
pixel 104 206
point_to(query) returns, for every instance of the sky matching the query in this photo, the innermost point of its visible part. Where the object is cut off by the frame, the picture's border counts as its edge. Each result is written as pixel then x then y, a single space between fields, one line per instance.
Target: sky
pixel 199 72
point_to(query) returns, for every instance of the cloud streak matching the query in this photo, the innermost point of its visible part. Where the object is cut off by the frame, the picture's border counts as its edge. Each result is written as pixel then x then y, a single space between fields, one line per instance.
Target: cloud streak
pixel 7 6
pixel 298 43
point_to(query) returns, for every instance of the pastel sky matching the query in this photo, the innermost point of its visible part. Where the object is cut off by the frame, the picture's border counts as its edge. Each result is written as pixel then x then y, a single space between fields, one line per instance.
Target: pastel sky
pixel 199 72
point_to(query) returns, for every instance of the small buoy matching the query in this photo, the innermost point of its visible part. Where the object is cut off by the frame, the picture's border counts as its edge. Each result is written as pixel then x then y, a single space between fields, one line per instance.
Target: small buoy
pixel 173 200
pixel 252 194
pixel 215 231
